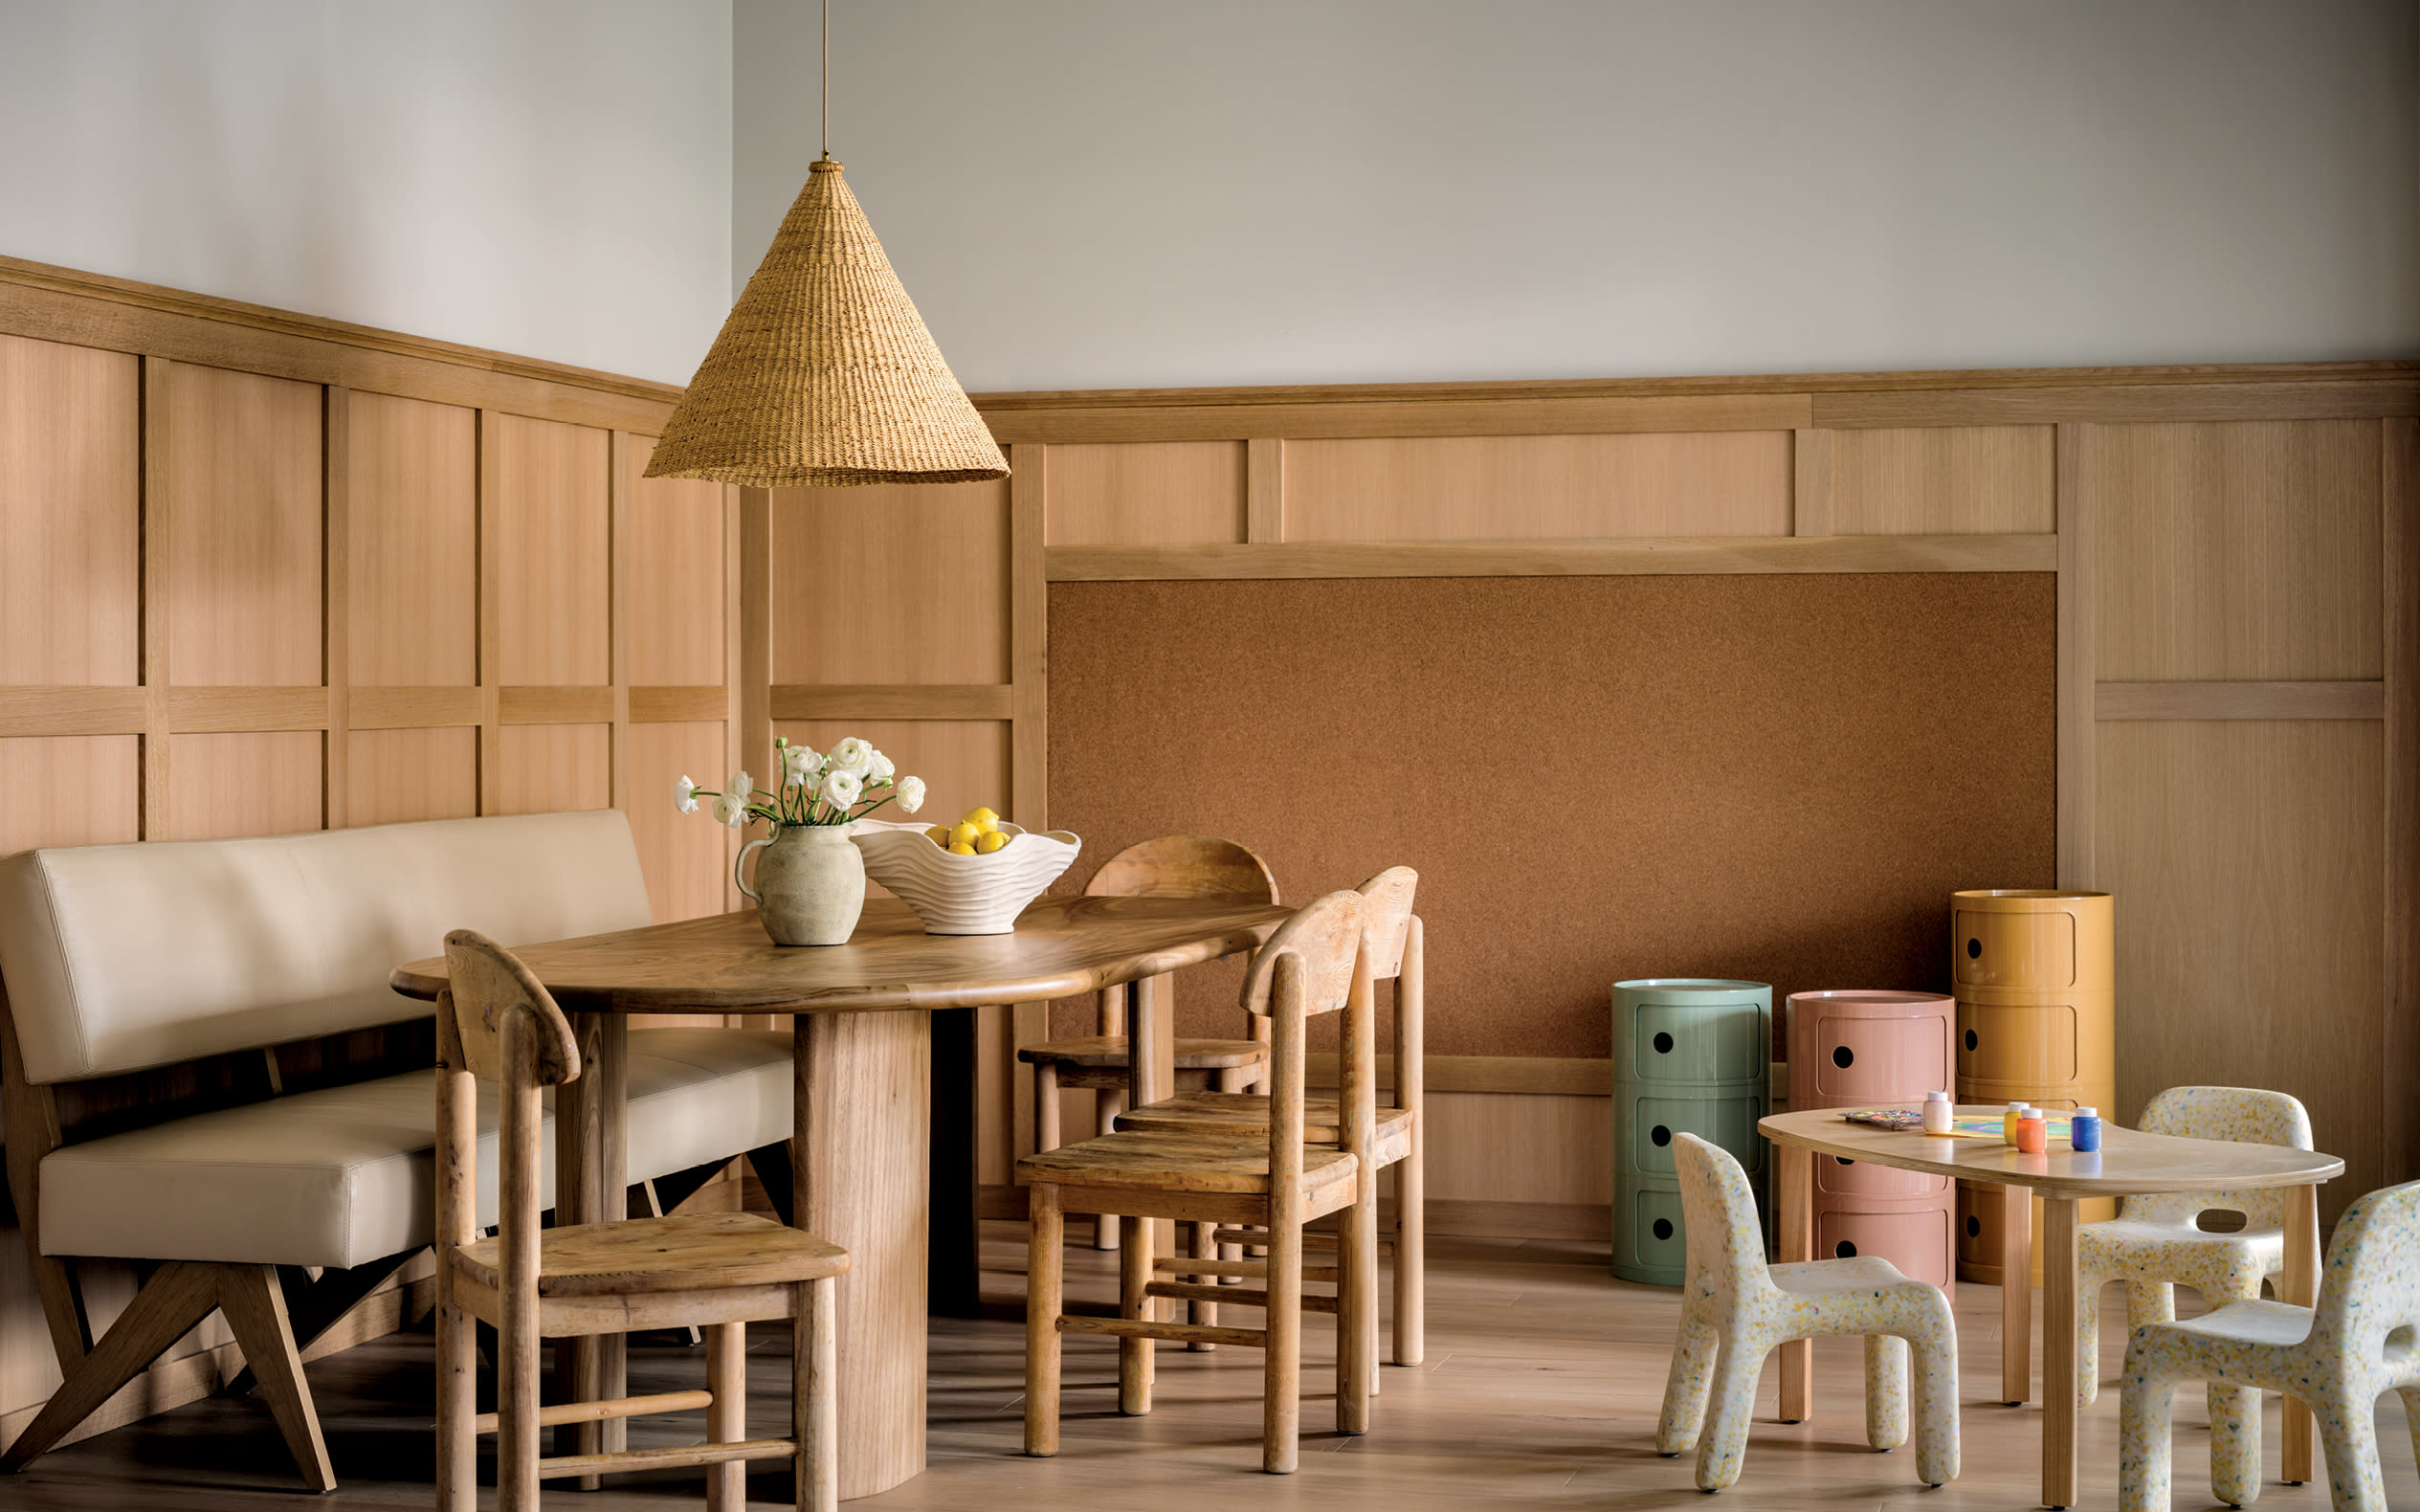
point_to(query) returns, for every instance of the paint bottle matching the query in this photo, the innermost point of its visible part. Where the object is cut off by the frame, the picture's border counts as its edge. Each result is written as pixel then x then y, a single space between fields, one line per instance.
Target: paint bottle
pixel 2083 1130
pixel 1937 1115
pixel 2033 1132
pixel 2008 1123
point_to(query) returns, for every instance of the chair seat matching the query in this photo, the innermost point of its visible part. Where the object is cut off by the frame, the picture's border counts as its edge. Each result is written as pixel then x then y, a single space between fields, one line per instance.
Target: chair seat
pixel 1169 1162
pixel 2149 1247
pixel 1109 1053
pixel 700 1253
pixel 1863 1273
pixel 341 1176
pixel 1247 1113
pixel 2260 1322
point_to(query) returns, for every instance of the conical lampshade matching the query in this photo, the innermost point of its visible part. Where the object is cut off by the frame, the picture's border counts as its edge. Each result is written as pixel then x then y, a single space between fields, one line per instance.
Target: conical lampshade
pixel 823 374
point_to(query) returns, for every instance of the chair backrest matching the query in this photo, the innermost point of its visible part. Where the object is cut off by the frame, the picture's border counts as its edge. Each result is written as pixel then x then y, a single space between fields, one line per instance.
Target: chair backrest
pixel 2246 1115
pixel 1324 938
pixel 508 1030
pixel 2369 1288
pixel 1315 963
pixel 1183 866
pixel 122 957
pixel 1726 1240
pixel 1388 920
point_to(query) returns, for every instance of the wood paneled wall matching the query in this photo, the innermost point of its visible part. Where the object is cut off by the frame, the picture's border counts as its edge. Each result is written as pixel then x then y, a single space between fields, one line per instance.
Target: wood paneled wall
pixel 260 573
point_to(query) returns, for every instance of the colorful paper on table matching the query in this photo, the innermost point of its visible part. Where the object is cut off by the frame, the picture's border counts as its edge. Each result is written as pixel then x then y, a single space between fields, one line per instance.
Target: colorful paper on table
pixel 1966 1126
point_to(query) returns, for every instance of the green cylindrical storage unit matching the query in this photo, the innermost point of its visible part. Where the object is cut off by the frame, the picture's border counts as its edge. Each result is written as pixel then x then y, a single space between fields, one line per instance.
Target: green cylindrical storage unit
pixel 1691 1054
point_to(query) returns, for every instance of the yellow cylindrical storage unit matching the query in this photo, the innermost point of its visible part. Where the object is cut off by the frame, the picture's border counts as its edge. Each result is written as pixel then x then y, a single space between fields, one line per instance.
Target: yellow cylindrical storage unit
pixel 2035 974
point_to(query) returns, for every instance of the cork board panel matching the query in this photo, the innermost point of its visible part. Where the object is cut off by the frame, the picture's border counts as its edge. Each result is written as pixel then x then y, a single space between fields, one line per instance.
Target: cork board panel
pixel 1780 778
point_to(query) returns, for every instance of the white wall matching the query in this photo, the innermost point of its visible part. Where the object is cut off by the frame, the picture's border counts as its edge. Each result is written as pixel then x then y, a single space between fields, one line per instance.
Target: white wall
pixel 545 177
pixel 1087 193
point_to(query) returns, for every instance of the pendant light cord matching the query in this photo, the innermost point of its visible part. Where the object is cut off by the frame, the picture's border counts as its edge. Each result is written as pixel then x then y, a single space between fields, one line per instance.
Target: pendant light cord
pixel 826 93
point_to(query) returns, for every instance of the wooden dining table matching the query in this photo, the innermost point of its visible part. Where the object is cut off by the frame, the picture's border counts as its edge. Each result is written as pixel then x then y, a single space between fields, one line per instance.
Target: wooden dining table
pixel 864 1106
pixel 2129 1162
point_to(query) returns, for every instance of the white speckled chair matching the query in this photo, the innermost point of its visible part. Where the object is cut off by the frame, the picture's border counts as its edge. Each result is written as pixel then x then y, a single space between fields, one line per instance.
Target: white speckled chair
pixel 2154 1242
pixel 2361 1341
pixel 1735 1309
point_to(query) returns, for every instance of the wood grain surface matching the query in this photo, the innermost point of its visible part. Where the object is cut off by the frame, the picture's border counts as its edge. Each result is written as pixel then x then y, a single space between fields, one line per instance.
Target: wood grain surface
pixel 1780 778
pixel 2129 1160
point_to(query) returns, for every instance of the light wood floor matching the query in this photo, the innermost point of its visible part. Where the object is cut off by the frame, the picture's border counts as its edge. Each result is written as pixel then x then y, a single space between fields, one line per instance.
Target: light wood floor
pixel 1540 1390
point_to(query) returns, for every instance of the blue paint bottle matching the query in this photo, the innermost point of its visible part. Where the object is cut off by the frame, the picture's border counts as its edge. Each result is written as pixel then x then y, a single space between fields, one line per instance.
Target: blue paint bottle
pixel 2083 1130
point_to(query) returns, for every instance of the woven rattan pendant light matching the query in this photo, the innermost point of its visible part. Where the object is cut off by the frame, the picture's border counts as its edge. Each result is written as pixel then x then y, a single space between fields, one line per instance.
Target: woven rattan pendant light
pixel 824 373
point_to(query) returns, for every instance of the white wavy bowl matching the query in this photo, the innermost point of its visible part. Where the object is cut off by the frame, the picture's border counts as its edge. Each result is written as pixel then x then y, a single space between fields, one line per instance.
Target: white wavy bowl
pixel 963 895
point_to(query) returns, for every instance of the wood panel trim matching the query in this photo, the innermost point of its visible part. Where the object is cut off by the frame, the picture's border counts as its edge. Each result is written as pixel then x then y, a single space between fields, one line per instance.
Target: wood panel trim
pixel 591 704
pixel 617 612
pixel 2400 476
pixel 1029 637
pixel 230 711
pixel 336 602
pixel 45 710
pixel 490 515
pixel 675 706
pixel 378 708
pixel 1324 417
pixel 2116 403
pixel 2077 732
pixel 1583 558
pixel 757 693
pixel 1517 1075
pixel 87 309
pixel 154 506
pixel 1265 490
pixel 2239 701
pixel 891 700
pixel 1810 483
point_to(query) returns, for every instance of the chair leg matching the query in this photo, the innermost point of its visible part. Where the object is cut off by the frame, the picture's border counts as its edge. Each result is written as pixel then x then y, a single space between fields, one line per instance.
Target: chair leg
pixel 1722 1444
pixel 457 1392
pixel 1357 1310
pixel 1933 1385
pixel 178 1296
pixel 1205 1247
pixel 2088 1287
pixel 2150 1302
pixel 1110 1102
pixel 1281 1378
pixel 1685 1388
pixel 1134 1355
pixel 2411 1396
pixel 727 1415
pixel 1042 1305
pixel 1885 1391
pixel 2349 1431
pixel 1411 1257
pixel 1046 1131
pixel 814 1391
pixel 2143 1440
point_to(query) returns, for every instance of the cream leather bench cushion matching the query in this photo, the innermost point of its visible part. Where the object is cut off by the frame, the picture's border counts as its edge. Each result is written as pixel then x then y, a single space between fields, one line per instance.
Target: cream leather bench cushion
pixel 119 957
pixel 346 1175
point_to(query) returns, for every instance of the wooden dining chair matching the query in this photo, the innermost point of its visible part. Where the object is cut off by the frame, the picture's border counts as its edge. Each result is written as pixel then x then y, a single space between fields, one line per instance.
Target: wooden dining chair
pixel 1170 866
pixel 718 1271
pixel 1395 948
pixel 1274 1182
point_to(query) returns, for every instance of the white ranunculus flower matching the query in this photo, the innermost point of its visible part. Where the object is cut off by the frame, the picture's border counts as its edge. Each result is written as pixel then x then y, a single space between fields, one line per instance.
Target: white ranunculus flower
pixel 878 765
pixel 685 796
pixel 853 755
pixel 741 785
pixel 842 787
pixel 911 794
pixel 800 763
pixel 730 810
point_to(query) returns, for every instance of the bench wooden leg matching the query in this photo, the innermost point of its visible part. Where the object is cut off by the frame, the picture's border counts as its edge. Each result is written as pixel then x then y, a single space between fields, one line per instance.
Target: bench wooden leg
pixel 179 1295
pixel 256 1308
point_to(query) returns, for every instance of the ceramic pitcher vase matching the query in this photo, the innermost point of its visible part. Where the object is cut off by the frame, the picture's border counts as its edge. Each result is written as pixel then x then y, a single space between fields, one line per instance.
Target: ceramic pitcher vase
pixel 809 883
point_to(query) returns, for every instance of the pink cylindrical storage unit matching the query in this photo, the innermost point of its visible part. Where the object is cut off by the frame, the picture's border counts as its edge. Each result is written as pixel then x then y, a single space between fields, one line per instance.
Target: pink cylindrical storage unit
pixel 1872 1049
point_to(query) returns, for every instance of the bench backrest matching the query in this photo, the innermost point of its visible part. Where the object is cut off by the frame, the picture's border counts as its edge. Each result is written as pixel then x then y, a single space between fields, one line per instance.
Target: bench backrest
pixel 120 957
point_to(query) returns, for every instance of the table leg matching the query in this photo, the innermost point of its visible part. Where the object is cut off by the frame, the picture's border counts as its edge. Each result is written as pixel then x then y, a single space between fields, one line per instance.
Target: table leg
pixel 2058 1349
pixel 591 1178
pixel 2300 1286
pixel 1794 1236
pixel 953 1263
pixel 2016 1301
pixel 1152 1040
pixel 860 1171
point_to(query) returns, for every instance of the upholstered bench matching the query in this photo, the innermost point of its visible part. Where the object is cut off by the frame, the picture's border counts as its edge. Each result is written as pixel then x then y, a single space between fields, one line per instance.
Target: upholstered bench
pixel 118 959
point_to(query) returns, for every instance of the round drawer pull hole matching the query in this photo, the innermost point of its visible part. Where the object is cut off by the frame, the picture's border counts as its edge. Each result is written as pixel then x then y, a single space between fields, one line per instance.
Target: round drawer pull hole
pixel 1844 1058
pixel 1663 1043
pixel 1970 1040
pixel 1660 1134
pixel 1844 1250
pixel 1663 1228
pixel 1974 1227
pixel 1844 1160
pixel 1974 949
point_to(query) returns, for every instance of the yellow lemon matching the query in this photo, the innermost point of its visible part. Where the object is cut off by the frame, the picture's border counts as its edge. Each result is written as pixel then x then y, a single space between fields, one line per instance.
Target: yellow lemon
pixel 983 820
pixel 993 840
pixel 938 834
pixel 959 848
pixel 963 833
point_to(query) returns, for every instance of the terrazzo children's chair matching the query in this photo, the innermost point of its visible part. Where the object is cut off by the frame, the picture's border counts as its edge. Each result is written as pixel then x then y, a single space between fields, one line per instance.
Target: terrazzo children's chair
pixel 2361 1340
pixel 1735 1309
pixel 2154 1242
